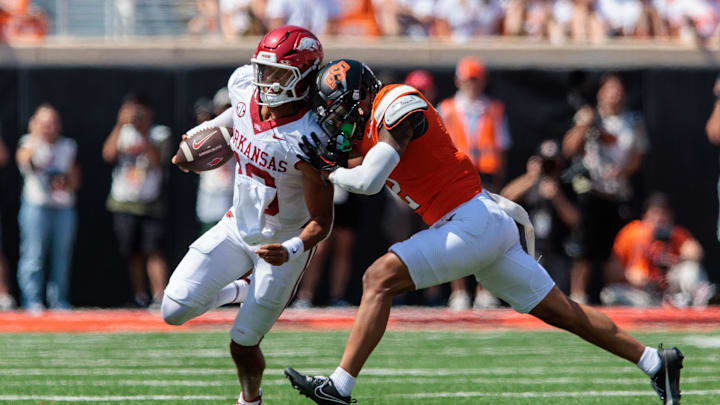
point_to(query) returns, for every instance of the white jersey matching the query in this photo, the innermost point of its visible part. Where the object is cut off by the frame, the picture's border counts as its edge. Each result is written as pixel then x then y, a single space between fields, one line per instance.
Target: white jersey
pixel 268 199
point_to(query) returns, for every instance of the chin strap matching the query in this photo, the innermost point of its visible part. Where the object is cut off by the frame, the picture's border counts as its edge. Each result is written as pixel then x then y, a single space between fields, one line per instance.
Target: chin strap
pixel 519 215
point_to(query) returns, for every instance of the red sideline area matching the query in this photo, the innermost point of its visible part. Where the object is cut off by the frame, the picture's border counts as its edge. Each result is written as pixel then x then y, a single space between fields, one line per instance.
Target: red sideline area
pixel 337 319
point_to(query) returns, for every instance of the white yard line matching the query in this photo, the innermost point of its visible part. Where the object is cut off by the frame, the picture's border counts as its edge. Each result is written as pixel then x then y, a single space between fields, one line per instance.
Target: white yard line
pixel 417 372
pixel 561 394
pixel 231 382
pixel 68 398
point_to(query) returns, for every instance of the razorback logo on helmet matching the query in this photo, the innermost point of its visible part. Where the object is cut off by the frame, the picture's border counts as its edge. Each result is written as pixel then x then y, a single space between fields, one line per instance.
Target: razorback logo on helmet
pixel 336 73
pixel 308 43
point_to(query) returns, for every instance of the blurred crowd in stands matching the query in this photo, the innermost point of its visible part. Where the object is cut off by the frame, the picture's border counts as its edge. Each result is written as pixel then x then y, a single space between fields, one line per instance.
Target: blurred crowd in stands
pixel 576 188
pixel 558 21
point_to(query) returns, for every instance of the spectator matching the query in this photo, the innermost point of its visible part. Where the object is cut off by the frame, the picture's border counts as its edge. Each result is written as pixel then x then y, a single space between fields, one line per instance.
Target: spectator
pixel 341 243
pixel 477 122
pixel 318 16
pixel 357 18
pixel 550 203
pixel 608 144
pixel 461 20
pixel 655 260
pixel 21 21
pixel 577 20
pixel 6 300
pixel 215 192
pixel 531 18
pixel 242 17
pixel 478 127
pixel 423 81
pixel 690 20
pixel 631 18
pixel 139 151
pixel 712 128
pixel 412 18
pixel 47 215
pixel 207 20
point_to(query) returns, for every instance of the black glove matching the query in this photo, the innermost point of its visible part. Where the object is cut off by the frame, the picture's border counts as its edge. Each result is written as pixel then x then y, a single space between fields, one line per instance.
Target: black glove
pixel 320 156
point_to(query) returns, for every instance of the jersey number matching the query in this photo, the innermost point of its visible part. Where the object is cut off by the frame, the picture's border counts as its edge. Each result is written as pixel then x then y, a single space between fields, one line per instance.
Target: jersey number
pixel 252 170
pixel 395 188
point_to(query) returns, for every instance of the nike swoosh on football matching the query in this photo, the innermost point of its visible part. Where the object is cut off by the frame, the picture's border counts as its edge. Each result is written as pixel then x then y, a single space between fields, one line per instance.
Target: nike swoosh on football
pixel 197 144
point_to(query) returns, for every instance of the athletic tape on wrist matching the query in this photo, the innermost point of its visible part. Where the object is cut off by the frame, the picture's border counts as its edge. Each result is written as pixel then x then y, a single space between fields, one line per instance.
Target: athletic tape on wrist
pixel 294 246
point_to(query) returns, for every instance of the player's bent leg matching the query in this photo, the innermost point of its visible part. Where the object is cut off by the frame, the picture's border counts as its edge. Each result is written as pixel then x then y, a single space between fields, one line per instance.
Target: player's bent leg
pixel 250 364
pixel 206 277
pixel 387 277
pixel 588 323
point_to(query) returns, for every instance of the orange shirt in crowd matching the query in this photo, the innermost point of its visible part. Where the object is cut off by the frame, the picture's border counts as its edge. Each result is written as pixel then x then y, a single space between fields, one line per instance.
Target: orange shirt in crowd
pixel 433 177
pixel 638 251
pixel 358 18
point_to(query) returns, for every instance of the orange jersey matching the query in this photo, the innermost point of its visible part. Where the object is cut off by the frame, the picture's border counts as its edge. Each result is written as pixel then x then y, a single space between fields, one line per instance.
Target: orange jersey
pixel 433 177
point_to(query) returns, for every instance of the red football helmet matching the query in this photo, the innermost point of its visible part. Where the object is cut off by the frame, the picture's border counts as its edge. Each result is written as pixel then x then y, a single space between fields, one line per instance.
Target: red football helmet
pixel 284 58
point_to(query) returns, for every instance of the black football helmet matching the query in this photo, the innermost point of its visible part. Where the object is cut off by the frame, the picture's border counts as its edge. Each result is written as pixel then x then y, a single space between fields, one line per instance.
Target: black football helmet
pixel 340 86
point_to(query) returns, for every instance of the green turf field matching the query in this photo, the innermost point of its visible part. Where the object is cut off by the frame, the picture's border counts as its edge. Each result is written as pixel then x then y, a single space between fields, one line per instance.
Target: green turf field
pixel 407 368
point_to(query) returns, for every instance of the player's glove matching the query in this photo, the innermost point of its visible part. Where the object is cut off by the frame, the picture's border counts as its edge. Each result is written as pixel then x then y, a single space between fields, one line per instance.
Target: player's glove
pixel 320 156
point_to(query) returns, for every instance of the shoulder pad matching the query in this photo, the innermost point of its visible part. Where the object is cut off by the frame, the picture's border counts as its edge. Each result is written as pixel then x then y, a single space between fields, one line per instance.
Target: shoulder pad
pixel 242 76
pixel 401 107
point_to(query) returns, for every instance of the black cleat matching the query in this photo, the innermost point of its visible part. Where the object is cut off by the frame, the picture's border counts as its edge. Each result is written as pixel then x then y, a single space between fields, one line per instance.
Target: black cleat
pixel 319 389
pixel 668 377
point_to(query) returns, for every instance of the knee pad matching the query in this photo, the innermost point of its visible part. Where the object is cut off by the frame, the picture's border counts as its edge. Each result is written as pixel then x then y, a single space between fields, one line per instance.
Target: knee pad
pixel 175 313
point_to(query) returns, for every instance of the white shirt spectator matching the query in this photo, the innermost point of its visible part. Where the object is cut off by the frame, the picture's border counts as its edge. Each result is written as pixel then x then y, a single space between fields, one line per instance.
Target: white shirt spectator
pixel 134 179
pixel 704 14
pixel 310 14
pixel 238 10
pixel 620 15
pixel 215 192
pixel 48 160
pixel 470 18
pixel 605 156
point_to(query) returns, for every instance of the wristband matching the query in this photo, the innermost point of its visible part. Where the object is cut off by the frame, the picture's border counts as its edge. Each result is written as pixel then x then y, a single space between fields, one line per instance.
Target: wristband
pixel 294 246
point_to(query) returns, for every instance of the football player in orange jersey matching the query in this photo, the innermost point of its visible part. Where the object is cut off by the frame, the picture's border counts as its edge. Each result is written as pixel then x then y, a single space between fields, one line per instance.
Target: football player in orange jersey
pixel 400 141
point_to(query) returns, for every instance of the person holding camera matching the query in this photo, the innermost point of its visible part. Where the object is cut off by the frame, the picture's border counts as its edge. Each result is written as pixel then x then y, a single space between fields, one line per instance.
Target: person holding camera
pixel 47 217
pixel 656 261
pixel 607 145
pixel 712 128
pixel 139 151
pixel 551 207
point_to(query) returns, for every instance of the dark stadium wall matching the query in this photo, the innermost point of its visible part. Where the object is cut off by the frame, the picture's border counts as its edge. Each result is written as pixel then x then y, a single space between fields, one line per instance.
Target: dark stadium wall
pixel 675 103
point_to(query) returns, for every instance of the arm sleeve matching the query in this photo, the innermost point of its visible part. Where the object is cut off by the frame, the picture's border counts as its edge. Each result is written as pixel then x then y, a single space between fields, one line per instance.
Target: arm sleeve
pixel 368 178
pixel 223 120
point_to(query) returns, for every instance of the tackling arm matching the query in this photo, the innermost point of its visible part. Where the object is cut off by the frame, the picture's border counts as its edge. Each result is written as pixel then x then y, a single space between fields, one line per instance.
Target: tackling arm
pixel 369 177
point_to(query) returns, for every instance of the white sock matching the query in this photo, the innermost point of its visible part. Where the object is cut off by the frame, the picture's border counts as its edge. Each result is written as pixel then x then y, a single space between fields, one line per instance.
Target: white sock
pixel 232 293
pixel 343 381
pixel 650 361
pixel 242 401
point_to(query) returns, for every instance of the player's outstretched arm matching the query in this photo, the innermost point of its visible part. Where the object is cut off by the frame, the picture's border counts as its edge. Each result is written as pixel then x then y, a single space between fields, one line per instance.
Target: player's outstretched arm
pixel 370 176
pixel 319 200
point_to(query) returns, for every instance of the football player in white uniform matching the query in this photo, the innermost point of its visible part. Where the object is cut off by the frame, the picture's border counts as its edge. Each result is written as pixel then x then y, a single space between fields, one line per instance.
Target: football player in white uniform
pixel 281 206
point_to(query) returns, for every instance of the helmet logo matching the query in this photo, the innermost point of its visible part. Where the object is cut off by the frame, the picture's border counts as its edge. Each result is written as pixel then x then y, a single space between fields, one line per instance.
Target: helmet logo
pixel 308 43
pixel 336 73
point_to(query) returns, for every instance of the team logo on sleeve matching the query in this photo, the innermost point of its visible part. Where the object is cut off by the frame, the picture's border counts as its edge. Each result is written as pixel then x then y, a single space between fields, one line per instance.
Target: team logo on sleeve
pixel 240 109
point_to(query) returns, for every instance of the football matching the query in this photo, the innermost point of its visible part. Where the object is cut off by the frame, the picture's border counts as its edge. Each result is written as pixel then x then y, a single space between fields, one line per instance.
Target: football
pixel 205 149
